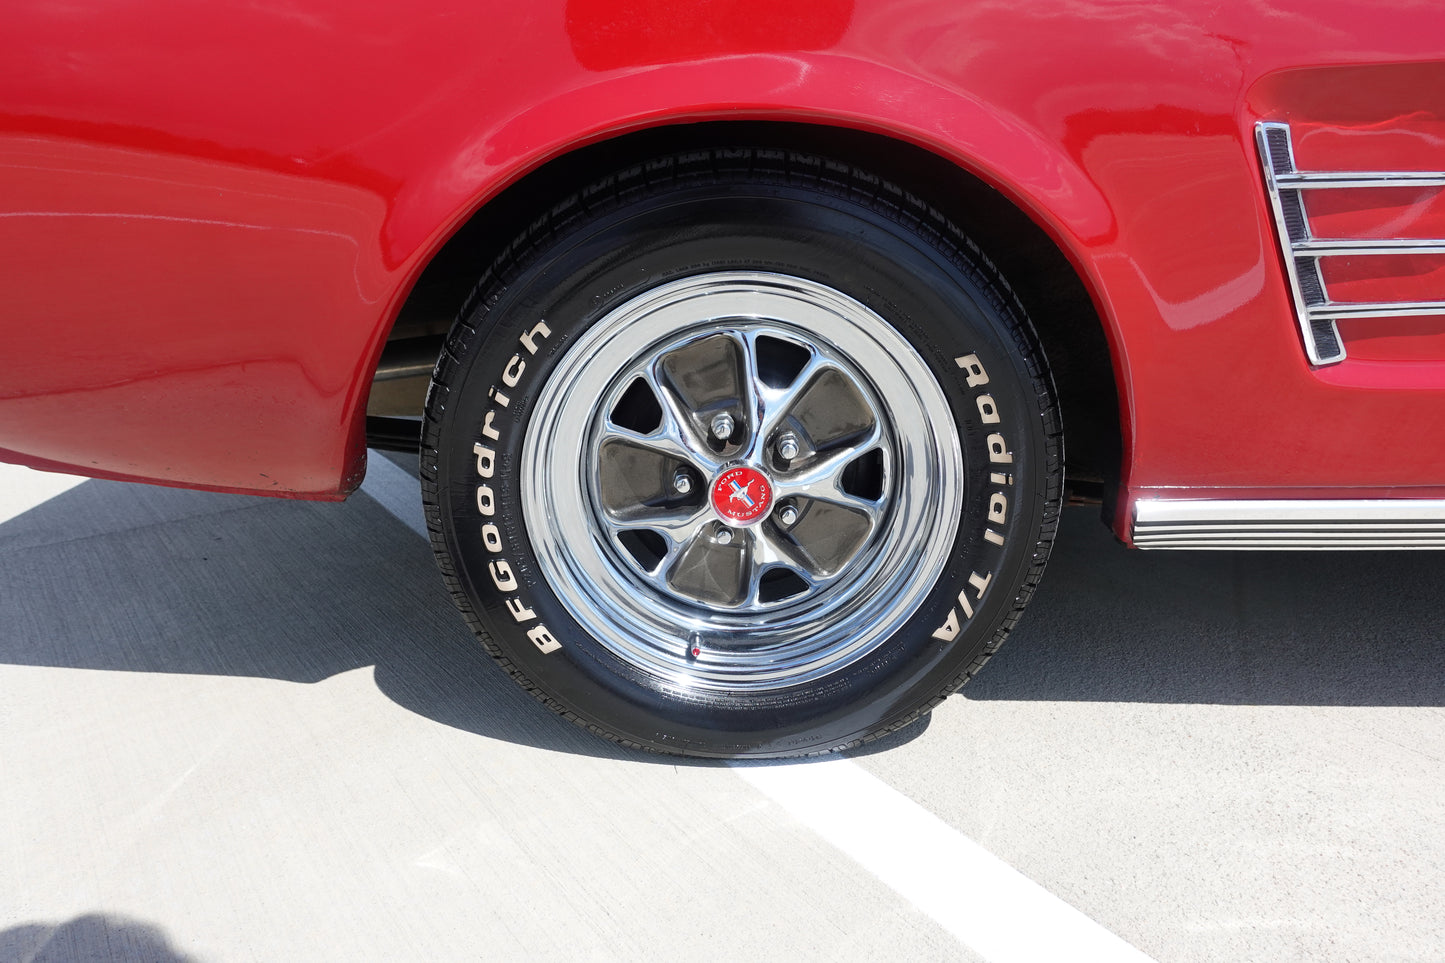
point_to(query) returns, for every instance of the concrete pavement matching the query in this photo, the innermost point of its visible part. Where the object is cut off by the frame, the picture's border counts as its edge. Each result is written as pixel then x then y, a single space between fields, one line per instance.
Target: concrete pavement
pixel 249 729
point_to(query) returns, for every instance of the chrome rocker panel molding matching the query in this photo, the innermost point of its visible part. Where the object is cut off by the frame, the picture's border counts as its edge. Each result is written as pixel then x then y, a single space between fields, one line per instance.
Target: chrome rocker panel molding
pixel 1316 313
pixel 1290 524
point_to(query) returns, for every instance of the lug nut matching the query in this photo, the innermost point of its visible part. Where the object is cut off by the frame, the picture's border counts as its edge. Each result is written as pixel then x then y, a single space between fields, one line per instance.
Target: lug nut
pixel 788 515
pixel 722 426
pixel 788 446
pixel 724 536
pixel 682 482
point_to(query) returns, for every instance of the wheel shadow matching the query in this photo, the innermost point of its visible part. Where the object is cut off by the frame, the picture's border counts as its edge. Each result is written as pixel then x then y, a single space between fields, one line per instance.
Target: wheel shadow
pixel 141 579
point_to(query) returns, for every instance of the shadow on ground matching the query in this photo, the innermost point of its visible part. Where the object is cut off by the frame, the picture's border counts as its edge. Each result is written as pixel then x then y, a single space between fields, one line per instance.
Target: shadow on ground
pixel 142 579
pixel 1110 624
pixel 136 578
pixel 92 937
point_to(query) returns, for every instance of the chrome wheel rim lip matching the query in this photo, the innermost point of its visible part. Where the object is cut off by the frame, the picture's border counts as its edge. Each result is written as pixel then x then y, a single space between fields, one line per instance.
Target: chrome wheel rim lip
pixel 668 635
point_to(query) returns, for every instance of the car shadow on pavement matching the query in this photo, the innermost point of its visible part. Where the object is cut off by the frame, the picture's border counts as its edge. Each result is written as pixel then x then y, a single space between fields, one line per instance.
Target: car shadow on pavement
pixel 134 578
pixel 1333 628
pixel 93 936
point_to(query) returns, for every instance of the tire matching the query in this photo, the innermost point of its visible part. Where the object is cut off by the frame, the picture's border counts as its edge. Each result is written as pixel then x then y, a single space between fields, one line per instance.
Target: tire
pixel 742 452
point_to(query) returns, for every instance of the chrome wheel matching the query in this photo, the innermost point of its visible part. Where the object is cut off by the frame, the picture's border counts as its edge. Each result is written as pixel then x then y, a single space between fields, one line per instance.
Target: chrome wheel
pixel 741 481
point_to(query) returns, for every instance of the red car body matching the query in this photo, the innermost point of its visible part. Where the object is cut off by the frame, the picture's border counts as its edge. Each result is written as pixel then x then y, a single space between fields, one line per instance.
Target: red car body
pixel 212 214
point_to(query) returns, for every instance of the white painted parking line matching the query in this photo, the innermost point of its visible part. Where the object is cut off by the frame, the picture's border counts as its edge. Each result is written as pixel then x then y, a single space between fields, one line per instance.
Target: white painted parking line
pixel 986 904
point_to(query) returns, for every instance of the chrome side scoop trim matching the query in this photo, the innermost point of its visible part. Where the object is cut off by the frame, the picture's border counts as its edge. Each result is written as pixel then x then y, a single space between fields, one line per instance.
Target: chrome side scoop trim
pixel 1316 313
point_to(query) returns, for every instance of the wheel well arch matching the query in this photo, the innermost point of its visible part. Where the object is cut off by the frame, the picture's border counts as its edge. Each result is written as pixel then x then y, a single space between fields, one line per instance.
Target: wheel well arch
pixel 1042 276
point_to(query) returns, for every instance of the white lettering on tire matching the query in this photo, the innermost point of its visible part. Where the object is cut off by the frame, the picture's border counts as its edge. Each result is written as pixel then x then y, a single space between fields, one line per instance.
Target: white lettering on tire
pixel 503 576
pixel 996 519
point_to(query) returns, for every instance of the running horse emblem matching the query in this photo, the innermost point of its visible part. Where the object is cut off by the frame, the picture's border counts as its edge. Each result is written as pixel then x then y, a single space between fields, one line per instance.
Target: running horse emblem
pixel 741 494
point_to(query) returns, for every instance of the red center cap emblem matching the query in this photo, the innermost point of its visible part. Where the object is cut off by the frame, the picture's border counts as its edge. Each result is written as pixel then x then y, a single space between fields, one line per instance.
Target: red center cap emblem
pixel 741 495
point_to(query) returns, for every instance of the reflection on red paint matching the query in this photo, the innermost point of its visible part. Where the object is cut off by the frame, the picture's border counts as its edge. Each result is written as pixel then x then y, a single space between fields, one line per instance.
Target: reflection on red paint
pixel 1394 339
pixel 1379 212
pixel 607 35
pixel 1387 277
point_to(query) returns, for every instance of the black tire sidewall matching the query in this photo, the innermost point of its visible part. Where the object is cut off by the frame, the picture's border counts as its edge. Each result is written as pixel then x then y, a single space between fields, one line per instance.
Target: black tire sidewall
pixel 900 267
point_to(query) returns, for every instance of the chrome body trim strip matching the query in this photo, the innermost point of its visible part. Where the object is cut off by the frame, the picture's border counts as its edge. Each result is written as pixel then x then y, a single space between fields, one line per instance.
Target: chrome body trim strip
pixel 1311 180
pixel 1377 309
pixel 1315 313
pixel 1174 510
pixel 1342 247
pixel 1301 545
pixel 1299 524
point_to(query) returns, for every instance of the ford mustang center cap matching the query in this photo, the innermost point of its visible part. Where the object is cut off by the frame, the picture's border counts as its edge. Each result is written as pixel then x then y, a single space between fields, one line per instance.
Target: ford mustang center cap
pixel 742 495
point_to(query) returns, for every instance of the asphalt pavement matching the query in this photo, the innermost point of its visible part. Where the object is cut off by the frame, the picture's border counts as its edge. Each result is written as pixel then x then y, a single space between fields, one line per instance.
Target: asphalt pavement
pixel 237 728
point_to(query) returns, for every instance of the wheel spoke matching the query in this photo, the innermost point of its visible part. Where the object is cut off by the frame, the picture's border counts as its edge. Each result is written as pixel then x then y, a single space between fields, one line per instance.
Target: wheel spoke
pixel 822 480
pixel 662 441
pixel 676 525
pixel 636 481
pixel 777 403
pixel 827 536
pixel 680 527
pixel 751 390
pixel 678 424
pixel 655 538
pixel 707 570
pixel 767 553
pixel 675 436
pixel 833 523
pixel 828 491
pixel 679 538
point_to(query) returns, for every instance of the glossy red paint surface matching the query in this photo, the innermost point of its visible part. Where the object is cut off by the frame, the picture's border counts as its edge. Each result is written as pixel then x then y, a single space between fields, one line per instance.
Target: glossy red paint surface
pixel 210 213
